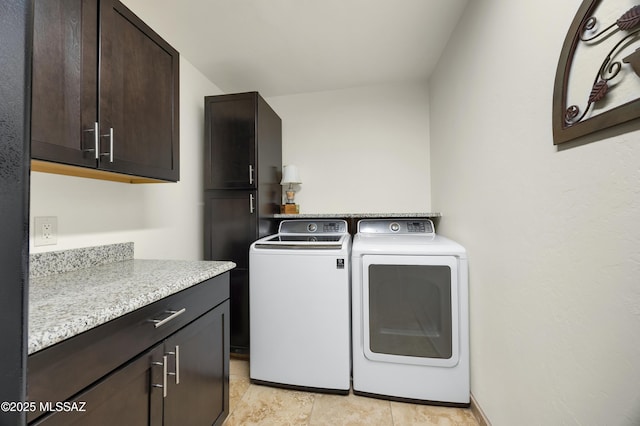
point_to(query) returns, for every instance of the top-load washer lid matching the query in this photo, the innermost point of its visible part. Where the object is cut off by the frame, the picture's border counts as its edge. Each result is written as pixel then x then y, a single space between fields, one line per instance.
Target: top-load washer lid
pixel 307 234
pixel 309 238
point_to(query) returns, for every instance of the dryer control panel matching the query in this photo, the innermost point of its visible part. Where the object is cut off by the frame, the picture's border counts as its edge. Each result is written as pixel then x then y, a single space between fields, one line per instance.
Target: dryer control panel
pixel 396 226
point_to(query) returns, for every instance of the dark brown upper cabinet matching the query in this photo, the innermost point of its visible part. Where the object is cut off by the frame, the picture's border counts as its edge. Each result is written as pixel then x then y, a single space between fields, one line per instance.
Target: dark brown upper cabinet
pixel 243 142
pixel 105 94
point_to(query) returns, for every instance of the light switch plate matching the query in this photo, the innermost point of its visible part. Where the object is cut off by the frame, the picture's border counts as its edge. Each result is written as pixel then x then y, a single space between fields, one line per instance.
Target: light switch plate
pixel 45 231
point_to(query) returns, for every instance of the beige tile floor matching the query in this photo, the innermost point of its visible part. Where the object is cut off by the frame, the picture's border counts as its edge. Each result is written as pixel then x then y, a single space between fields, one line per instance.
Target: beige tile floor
pixel 252 404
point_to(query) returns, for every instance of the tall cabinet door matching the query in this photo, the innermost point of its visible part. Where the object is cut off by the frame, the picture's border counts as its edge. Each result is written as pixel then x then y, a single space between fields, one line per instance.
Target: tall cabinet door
pixel 139 96
pixel 199 371
pixel 230 132
pixel 64 82
pixel 230 228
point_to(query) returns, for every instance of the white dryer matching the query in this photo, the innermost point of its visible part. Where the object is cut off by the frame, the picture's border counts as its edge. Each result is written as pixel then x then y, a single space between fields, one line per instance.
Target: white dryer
pixel 299 306
pixel 409 313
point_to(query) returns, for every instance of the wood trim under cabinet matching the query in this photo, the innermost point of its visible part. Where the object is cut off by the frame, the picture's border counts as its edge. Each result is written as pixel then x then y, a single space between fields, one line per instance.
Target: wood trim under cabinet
pixel 68 170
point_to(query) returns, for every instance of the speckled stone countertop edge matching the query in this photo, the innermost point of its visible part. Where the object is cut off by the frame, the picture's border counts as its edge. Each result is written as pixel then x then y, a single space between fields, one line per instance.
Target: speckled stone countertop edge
pixel 66 304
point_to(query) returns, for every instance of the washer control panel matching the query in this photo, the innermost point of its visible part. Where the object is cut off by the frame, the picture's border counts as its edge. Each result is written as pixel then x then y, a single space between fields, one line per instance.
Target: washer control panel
pixel 396 226
pixel 316 226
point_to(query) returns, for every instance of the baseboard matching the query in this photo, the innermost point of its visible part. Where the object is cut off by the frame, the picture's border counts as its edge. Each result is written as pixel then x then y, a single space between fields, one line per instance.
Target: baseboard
pixel 478 413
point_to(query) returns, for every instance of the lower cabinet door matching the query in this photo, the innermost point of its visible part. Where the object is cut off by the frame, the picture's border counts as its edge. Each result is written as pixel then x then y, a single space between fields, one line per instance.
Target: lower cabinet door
pixel 198 379
pixel 129 396
pixel 231 225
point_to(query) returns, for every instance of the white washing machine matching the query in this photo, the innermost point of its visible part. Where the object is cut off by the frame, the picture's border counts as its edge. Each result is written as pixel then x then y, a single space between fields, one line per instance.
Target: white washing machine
pixel 410 313
pixel 299 307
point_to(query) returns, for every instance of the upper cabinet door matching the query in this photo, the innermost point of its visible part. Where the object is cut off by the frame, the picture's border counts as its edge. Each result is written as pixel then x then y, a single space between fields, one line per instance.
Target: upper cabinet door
pixel 139 97
pixel 64 85
pixel 230 133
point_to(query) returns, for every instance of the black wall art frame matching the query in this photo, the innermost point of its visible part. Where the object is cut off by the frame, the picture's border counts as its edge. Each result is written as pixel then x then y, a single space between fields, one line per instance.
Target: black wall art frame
pixel 619 40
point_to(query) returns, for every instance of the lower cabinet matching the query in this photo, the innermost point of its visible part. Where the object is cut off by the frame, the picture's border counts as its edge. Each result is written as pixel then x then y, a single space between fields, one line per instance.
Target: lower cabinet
pixel 182 380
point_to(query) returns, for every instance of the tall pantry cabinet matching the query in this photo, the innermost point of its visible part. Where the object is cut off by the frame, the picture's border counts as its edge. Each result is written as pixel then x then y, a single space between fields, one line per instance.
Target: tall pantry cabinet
pixel 243 167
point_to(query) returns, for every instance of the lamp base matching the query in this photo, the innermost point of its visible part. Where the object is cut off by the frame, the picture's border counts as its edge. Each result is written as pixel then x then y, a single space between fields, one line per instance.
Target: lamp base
pixel 290 209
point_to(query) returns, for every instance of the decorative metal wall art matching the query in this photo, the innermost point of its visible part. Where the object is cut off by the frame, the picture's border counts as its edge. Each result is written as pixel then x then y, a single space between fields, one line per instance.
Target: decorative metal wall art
pixel 597 83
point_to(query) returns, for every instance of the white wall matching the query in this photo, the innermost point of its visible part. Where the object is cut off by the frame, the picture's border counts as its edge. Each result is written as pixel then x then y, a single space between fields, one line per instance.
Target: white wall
pixel 163 220
pixel 359 150
pixel 553 234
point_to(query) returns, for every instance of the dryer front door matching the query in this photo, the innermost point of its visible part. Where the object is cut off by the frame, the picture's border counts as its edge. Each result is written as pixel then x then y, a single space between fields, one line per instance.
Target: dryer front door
pixel 410 309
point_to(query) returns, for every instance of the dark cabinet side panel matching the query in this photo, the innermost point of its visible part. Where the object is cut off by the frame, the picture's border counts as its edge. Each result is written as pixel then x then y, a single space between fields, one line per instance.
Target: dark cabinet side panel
pixel 15 86
pixel 269 146
pixel 239 289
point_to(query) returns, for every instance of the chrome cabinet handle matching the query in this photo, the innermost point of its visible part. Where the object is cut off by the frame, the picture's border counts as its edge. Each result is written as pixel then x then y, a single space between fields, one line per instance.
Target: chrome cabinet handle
pixel 176 373
pixel 110 153
pixel 96 140
pixel 251 208
pixel 164 376
pixel 250 174
pixel 174 314
pixel 177 365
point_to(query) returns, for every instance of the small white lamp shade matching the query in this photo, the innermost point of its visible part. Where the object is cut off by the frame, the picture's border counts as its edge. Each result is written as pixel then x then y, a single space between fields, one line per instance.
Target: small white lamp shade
pixel 290 175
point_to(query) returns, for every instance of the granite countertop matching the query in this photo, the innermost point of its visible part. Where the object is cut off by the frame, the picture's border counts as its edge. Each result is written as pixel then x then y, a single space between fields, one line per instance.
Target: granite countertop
pixel 353 215
pixel 65 304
